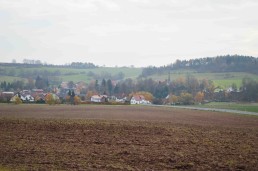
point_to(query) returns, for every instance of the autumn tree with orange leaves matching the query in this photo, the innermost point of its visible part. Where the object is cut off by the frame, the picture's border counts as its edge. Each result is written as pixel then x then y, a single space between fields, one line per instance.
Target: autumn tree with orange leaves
pixel 199 97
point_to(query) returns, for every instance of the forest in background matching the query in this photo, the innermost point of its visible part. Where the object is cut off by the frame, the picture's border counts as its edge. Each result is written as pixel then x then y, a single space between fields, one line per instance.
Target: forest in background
pixel 228 63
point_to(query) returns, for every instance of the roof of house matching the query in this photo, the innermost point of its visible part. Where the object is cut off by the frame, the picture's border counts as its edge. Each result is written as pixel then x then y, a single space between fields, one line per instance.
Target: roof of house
pixel 8 92
pixel 37 90
pixel 98 96
pixel 138 97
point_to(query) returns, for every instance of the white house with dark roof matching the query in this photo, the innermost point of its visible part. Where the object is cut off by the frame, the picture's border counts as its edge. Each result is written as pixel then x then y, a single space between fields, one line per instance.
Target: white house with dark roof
pixel 23 97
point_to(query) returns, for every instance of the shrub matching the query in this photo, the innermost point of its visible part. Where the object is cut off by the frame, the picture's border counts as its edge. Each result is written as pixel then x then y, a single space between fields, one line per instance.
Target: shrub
pixel 50 99
pixel 186 98
pixel 199 97
pixel 17 100
pixel 77 100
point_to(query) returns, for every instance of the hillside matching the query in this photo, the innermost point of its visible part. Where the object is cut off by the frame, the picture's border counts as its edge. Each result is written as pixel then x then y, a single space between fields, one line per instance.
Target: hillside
pixel 222 70
pixel 217 64
pixel 57 74
pixel 186 84
pixel 222 79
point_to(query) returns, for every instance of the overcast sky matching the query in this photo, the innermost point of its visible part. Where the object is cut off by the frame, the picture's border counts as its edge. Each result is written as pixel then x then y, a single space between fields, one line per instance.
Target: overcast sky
pixel 126 32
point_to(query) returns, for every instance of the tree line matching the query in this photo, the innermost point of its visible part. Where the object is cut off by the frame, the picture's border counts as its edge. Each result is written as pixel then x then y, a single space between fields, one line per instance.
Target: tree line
pixel 17 85
pixel 29 63
pixel 106 75
pixel 183 90
pixel 228 63
pixel 158 89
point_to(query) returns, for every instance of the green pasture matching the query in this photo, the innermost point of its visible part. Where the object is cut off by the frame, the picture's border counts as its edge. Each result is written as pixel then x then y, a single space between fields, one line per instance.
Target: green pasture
pixel 82 74
pixel 250 107
pixel 129 72
pixel 228 83
pixel 68 74
pixel 76 78
pixel 10 79
pixel 223 80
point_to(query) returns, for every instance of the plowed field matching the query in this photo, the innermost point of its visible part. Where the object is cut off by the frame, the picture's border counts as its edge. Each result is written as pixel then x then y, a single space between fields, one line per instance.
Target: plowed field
pixel 87 137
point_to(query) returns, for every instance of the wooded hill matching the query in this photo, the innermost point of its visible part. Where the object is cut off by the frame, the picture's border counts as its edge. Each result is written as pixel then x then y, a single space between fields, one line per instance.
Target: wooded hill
pixel 229 63
pixel 185 80
pixel 57 73
pixel 223 70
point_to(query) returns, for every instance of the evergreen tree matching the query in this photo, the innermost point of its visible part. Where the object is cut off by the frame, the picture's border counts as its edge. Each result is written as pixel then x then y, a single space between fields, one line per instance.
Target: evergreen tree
pixel 161 91
pixel 72 98
pixel 71 95
pixel 97 86
pixel 110 87
pixel 103 88
pixel 41 83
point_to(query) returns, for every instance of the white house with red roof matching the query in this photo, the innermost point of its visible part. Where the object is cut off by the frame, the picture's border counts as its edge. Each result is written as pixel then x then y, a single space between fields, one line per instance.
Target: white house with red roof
pixel 98 98
pixel 138 99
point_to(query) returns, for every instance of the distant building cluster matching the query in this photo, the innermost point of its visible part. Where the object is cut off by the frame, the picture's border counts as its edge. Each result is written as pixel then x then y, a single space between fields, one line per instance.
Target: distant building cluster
pixel 39 95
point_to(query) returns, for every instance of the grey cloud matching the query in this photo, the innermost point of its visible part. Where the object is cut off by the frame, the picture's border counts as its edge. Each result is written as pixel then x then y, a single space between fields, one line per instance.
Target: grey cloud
pixel 109 29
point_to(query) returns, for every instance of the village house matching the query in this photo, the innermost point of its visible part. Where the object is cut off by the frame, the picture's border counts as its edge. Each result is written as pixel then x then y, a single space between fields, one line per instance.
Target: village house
pixel 24 96
pixel 138 99
pixel 98 98
pixel 78 89
pixel 40 98
pixel 35 92
pixel 6 96
pixel 218 90
pixel 122 100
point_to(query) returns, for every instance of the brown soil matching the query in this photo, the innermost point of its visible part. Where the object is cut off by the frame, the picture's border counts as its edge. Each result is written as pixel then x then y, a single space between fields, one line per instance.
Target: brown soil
pixel 42 137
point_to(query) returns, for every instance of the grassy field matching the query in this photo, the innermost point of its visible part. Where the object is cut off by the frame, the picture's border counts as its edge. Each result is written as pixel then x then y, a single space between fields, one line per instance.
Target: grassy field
pixel 69 74
pixel 11 79
pixel 82 74
pixel 250 107
pixel 223 80
pixel 91 137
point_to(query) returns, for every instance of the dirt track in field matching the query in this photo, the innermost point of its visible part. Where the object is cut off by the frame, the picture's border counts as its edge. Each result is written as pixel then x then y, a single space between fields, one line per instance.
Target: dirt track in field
pixel 34 137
